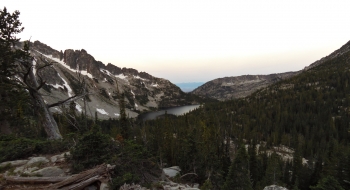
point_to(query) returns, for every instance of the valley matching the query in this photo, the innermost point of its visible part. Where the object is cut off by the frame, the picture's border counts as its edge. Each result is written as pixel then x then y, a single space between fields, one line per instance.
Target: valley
pixel 69 121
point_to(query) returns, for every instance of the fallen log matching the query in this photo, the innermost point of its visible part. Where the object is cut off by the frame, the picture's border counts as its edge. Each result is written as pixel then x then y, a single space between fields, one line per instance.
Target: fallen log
pixel 83 184
pixel 99 174
pixel 34 180
pixel 83 179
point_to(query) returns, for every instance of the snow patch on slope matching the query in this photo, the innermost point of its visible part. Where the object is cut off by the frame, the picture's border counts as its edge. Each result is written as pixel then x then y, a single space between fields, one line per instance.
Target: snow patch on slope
pixel 137 77
pixel 121 76
pixel 132 93
pixel 106 72
pixel 102 111
pixel 155 85
pixel 34 66
pixel 66 85
pixel 78 107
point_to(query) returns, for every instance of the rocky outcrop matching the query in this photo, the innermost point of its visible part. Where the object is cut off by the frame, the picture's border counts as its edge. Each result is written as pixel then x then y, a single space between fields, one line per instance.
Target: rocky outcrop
pixel 37 166
pixel 45 49
pixel 81 60
pixel 237 87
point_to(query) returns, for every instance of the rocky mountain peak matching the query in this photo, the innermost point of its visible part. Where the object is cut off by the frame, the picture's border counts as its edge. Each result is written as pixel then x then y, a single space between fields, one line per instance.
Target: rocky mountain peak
pixel 142 91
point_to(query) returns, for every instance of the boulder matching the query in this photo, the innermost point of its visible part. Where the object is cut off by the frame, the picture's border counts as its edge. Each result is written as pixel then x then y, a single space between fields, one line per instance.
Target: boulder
pixel 59 158
pixel 14 163
pixel 104 186
pixel 172 171
pixel 50 172
pixel 37 160
pixel 275 187
pixel 25 170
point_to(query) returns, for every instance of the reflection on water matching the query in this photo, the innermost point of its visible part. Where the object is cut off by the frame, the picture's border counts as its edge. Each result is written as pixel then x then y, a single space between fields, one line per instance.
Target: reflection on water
pixel 175 111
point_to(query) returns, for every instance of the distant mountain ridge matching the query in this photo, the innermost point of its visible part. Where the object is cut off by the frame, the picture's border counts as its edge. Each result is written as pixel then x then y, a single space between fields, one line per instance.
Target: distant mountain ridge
pixel 237 87
pixel 241 86
pixel 143 92
pixel 189 86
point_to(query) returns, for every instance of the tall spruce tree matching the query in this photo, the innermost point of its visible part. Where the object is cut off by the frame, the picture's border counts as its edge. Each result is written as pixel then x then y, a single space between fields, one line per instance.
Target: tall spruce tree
pixel 12 96
pixel 238 175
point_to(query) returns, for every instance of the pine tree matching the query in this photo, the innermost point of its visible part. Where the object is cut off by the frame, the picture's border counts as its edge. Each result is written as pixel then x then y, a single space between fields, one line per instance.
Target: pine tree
pixel 297 165
pixel 238 175
pixel 273 171
pixel 253 164
pixel 327 183
pixel 12 95
pixel 123 118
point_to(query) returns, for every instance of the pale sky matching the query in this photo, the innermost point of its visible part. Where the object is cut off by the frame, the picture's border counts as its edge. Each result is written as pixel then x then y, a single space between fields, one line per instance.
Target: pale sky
pixel 191 41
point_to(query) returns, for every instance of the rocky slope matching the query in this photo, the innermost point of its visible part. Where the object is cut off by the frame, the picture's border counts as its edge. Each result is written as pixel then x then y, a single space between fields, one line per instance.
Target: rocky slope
pixel 237 87
pixel 241 86
pixel 344 49
pixel 143 92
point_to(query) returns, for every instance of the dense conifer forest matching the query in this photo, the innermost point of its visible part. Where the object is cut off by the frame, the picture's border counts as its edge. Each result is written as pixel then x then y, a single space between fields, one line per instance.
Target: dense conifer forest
pixel 226 144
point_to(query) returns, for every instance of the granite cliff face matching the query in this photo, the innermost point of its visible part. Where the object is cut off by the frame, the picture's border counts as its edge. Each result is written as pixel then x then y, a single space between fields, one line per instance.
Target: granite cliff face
pixel 237 87
pixel 143 92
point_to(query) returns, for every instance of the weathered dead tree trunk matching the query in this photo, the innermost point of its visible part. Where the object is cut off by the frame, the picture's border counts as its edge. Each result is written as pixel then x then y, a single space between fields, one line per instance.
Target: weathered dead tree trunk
pixel 46 118
pixel 81 180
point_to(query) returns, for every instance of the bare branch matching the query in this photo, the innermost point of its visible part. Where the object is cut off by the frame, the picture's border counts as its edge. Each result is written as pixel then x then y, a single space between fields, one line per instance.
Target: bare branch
pixel 70 99
pixel 46 65
pixel 188 174
pixel 42 83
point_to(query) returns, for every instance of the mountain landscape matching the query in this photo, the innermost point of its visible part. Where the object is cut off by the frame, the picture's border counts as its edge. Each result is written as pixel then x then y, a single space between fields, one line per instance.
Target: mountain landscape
pixel 68 121
pixel 143 92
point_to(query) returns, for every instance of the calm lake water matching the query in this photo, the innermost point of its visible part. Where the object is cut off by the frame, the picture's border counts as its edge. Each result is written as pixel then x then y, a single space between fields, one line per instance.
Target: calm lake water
pixel 175 111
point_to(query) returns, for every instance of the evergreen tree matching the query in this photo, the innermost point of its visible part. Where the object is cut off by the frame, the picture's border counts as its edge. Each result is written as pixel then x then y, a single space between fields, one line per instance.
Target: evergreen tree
pixel 273 171
pixel 327 183
pixel 253 164
pixel 238 175
pixel 123 118
pixel 13 98
pixel 297 165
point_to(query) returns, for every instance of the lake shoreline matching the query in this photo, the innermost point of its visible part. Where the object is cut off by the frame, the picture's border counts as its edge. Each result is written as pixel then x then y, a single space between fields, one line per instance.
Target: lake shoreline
pixel 176 111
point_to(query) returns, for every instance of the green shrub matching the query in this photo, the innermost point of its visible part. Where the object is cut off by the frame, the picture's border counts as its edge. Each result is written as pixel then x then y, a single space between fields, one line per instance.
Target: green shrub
pixel 12 148
pixel 92 149
pixel 134 163
pixel 127 178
